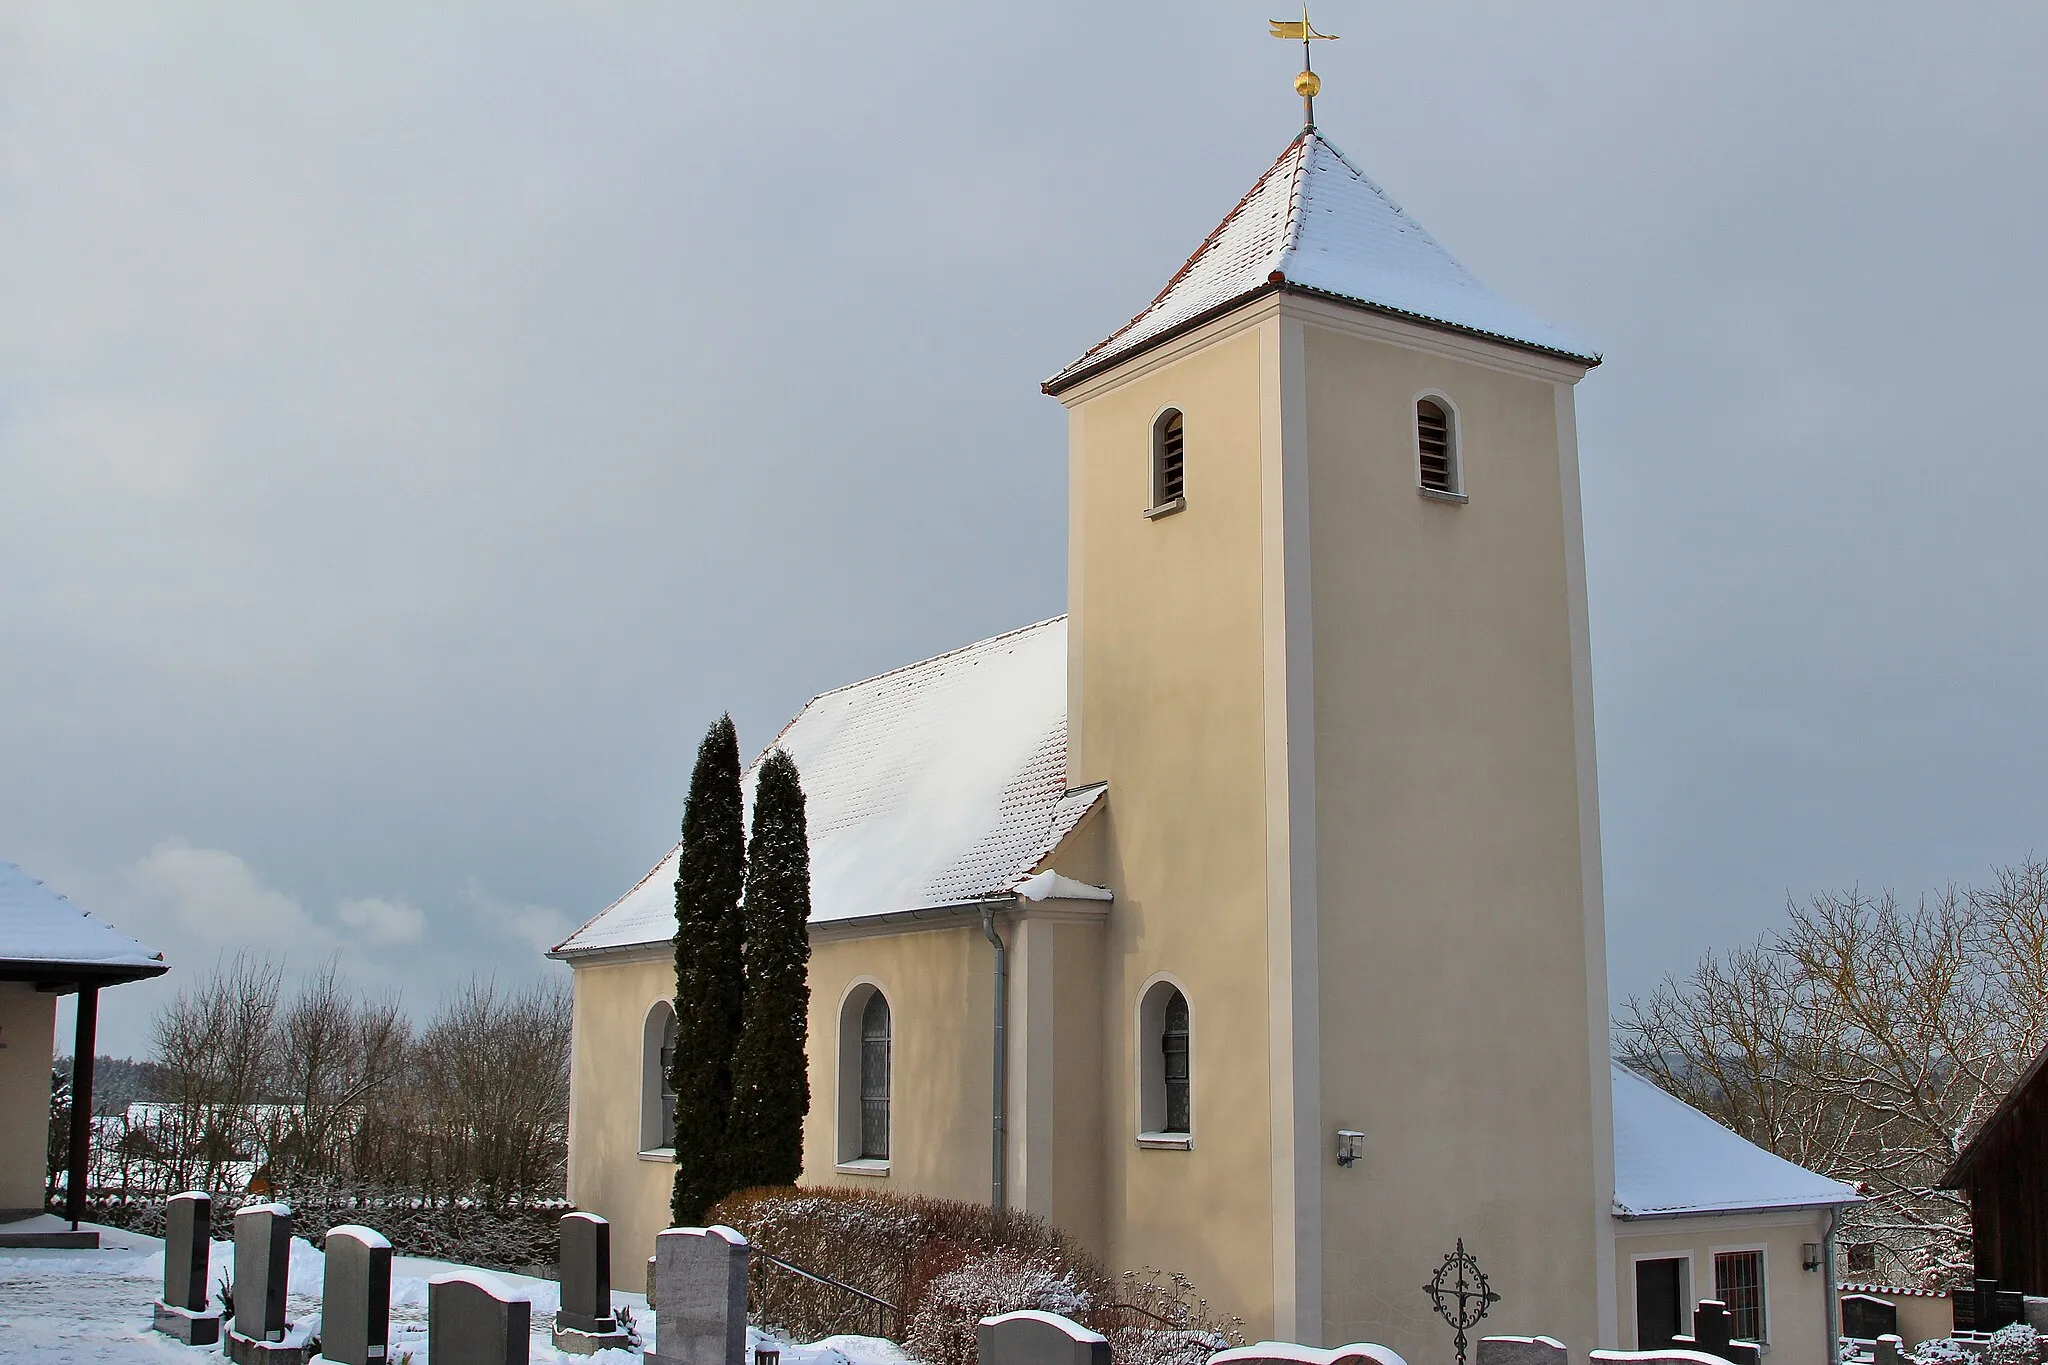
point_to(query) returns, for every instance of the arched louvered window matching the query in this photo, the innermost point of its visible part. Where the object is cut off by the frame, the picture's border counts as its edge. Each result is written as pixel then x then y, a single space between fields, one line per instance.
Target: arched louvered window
pixel 874 1079
pixel 1436 446
pixel 1169 460
pixel 1174 1059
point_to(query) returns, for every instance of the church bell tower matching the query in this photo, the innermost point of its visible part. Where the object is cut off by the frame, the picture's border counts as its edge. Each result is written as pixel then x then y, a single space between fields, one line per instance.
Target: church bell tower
pixel 1328 648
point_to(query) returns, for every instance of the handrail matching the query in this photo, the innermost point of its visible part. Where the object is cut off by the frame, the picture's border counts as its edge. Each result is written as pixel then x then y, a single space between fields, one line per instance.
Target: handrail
pixel 880 1303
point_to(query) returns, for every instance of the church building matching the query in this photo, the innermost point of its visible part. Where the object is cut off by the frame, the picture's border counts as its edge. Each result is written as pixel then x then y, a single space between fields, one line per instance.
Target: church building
pixel 1245 921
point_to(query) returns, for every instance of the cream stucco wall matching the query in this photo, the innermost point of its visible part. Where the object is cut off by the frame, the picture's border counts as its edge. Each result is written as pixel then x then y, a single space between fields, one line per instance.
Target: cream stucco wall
pixel 1796 1301
pixel 28 1019
pixel 1454 993
pixel 1166 680
pixel 607 1174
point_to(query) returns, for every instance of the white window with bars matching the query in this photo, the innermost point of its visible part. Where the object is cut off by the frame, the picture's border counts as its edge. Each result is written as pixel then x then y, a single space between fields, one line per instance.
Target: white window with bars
pixel 1739 1283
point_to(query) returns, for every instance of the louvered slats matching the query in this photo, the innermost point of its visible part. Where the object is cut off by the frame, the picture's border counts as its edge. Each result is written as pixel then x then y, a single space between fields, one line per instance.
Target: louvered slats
pixel 1433 435
pixel 1172 451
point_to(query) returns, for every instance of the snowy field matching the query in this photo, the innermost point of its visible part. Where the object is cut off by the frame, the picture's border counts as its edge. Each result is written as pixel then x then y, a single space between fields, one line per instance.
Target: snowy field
pixel 95 1306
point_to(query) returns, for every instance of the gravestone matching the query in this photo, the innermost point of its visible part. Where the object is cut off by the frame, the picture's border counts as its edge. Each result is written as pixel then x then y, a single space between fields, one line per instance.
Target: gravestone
pixel 188 1249
pixel 355 1298
pixel 701 1274
pixel 471 1320
pixel 1293 1353
pixel 263 1251
pixel 1033 1338
pixel 585 1325
pixel 1712 1326
pixel 1868 1317
pixel 1887 1349
pixel 2036 1313
pixel 1996 1308
pixel 1522 1351
pixel 1663 1355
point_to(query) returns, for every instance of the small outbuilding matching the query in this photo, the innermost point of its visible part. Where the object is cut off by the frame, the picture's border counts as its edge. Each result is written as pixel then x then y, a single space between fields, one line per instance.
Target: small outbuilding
pixel 2004 1171
pixel 1702 1213
pixel 49 947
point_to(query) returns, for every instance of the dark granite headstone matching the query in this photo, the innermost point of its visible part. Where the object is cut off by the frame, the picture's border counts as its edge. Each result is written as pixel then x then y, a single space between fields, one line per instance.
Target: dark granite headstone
pixel 1867 1317
pixel 355 1297
pixel 1032 1338
pixel 263 1257
pixel 1887 1350
pixel 584 1324
pixel 469 1322
pixel 188 1249
pixel 1712 1328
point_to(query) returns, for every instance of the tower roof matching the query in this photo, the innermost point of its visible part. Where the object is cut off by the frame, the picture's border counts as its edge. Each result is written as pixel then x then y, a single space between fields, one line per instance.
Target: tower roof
pixel 1316 224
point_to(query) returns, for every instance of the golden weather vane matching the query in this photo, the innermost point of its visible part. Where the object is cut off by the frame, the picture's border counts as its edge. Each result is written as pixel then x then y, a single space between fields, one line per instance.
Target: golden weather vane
pixel 1307 84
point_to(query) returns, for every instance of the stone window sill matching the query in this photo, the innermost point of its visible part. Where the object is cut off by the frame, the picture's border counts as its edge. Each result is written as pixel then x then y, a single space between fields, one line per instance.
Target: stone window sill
pixel 1167 1142
pixel 1443 495
pixel 865 1166
pixel 659 1154
pixel 1167 509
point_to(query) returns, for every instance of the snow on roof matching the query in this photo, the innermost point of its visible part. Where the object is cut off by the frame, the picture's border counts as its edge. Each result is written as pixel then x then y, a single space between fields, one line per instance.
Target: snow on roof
pixel 1315 222
pixel 1669 1158
pixel 39 925
pixel 933 785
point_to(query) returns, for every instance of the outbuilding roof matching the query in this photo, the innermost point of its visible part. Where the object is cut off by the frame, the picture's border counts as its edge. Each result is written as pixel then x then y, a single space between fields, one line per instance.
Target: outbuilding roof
pixel 1670 1159
pixel 44 937
pixel 1315 223
pixel 935 785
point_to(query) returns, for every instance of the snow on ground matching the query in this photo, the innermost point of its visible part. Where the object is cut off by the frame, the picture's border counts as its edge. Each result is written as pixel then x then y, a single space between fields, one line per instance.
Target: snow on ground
pixel 95 1306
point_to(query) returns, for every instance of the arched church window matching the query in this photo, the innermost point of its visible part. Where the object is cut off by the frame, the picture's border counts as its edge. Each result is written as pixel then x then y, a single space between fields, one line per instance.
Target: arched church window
pixel 1169 460
pixel 1165 1071
pixel 657 1079
pixel 1173 1054
pixel 1436 445
pixel 874 1078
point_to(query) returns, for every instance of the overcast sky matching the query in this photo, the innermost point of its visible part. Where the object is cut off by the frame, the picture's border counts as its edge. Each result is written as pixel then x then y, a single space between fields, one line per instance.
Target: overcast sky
pixel 417 424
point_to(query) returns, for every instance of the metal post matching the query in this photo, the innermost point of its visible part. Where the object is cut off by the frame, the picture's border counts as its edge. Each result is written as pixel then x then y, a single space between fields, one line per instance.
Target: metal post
pixel 81 1102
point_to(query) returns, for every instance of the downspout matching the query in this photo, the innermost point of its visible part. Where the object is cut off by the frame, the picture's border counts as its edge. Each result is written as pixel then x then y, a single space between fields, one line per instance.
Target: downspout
pixel 1827 1268
pixel 1000 1121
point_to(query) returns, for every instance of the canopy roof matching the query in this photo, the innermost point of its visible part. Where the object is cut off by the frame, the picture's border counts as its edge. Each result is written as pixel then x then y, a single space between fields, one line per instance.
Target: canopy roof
pixel 46 939
pixel 1671 1159
pixel 1315 223
pixel 936 785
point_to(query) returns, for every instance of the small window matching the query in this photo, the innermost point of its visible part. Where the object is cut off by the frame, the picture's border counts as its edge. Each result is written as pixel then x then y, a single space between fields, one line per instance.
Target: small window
pixel 1862 1258
pixel 1739 1283
pixel 657 1079
pixel 1169 459
pixel 1173 1051
pixel 1166 1071
pixel 874 1079
pixel 1436 445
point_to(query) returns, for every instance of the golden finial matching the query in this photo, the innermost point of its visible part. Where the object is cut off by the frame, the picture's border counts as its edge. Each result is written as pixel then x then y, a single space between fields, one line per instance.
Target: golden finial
pixel 1308 84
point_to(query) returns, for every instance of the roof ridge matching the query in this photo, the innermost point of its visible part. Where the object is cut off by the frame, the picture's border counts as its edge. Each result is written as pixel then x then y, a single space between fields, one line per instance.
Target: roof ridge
pixel 1290 236
pixel 920 663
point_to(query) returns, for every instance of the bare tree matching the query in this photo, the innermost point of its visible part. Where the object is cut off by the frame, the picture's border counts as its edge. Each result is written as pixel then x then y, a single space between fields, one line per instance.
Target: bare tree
pixel 336 1053
pixel 496 1070
pixel 1865 1039
pixel 216 1042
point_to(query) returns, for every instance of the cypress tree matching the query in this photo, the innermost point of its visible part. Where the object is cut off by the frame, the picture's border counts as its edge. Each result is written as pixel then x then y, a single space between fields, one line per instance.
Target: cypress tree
pixel 771 1088
pixel 708 965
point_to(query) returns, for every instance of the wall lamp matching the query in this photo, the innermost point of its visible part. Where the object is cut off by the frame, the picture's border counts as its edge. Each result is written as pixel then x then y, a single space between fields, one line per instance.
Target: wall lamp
pixel 1350 1146
pixel 1809 1255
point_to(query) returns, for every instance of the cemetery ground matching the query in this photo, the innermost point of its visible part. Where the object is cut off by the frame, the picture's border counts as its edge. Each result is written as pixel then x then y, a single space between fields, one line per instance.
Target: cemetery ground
pixel 95 1306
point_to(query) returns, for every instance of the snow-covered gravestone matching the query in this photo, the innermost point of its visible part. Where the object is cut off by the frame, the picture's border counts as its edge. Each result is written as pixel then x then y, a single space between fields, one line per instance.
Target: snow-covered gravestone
pixel 188 1246
pixel 1867 1317
pixel 355 1297
pixel 471 1320
pixel 700 1318
pixel 584 1324
pixel 1522 1351
pixel 263 1250
pixel 1887 1349
pixel 1293 1353
pixel 1033 1338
